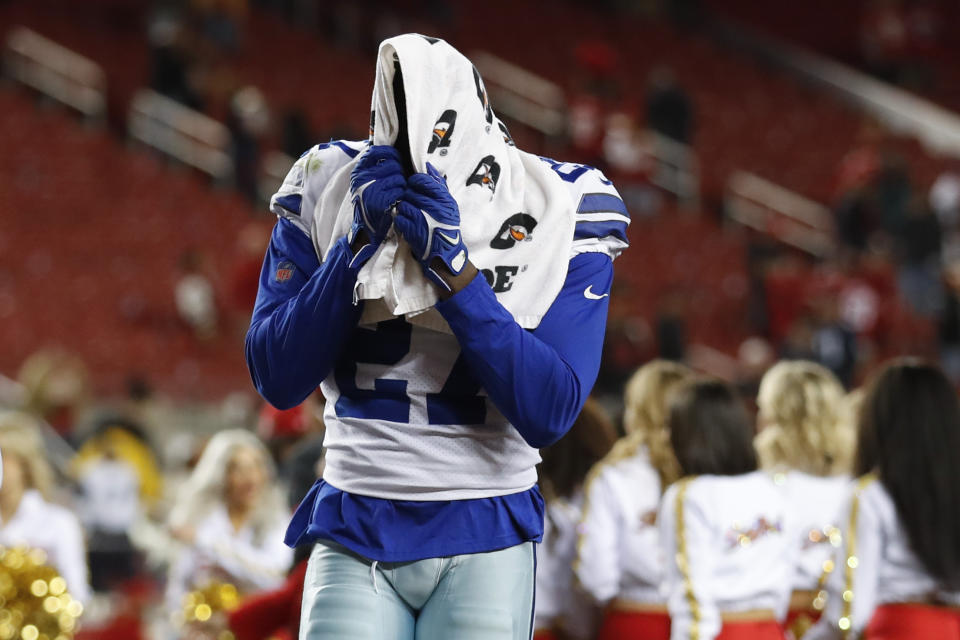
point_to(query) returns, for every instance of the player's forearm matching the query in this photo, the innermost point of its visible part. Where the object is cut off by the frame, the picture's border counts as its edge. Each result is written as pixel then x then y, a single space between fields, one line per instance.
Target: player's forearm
pixel 527 379
pixel 539 380
pixel 457 283
pixel 292 347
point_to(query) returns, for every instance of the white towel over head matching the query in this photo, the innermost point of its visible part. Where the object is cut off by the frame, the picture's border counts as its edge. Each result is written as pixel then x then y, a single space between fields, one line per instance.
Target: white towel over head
pixel 516 215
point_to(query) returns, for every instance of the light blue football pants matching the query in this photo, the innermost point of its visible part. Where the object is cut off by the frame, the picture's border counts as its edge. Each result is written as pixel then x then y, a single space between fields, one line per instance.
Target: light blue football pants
pixel 480 596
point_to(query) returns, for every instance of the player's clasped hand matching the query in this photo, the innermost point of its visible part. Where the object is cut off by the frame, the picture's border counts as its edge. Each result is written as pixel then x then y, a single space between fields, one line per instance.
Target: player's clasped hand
pixel 376 184
pixel 429 219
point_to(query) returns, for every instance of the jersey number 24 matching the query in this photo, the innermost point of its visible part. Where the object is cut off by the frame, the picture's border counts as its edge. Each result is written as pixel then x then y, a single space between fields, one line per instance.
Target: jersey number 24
pixel 457 401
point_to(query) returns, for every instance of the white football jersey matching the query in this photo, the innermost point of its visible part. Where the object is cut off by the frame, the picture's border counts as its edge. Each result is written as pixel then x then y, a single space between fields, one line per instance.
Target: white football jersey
pixel 404 417
pixel 417 443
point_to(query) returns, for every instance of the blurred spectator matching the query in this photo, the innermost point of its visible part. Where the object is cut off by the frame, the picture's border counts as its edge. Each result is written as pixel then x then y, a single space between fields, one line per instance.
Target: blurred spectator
pixel 230 520
pixel 855 198
pixel 170 61
pixel 893 192
pixel 119 481
pixel 944 200
pixel 883 39
pixel 194 296
pixel 109 507
pixel 585 118
pixel 627 156
pixel 859 299
pixel 669 109
pixel 623 148
pixel 27 516
pixel 562 612
pixel 126 441
pixel 949 324
pixel 920 280
pixel 247 121
pixel 834 344
pixel 856 219
pixel 595 88
pixel 57 388
pixel 754 356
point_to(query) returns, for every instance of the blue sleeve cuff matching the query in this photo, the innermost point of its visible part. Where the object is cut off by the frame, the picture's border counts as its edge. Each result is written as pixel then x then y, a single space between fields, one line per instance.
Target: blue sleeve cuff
pixel 461 307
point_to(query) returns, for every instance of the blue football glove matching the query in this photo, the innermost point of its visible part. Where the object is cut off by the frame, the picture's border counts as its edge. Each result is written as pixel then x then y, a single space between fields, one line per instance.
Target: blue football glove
pixel 376 184
pixel 429 219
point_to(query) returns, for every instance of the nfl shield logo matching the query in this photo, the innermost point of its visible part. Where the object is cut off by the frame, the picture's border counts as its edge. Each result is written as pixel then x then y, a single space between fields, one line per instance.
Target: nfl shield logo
pixel 284 271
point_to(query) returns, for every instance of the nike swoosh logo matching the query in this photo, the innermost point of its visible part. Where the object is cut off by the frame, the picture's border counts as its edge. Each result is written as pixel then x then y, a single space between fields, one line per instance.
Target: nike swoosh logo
pixel 590 295
pixel 452 240
pixel 362 188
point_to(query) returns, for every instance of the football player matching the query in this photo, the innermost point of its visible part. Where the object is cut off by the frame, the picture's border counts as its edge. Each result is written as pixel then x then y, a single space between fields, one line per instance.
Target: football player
pixel 425 521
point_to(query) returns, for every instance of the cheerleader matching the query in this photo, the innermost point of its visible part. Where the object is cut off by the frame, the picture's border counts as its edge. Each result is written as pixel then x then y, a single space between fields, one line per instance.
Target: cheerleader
pixel 27 516
pixel 806 444
pixel 724 527
pixel 561 611
pixel 230 520
pixel 618 555
pixel 898 577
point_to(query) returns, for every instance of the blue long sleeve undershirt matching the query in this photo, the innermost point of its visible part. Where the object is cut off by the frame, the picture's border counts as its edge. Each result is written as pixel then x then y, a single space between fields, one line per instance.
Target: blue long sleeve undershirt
pixel 539 380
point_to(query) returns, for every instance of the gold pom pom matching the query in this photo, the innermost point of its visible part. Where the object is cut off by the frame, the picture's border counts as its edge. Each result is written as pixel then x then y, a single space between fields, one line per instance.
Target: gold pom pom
pixel 34 602
pixel 205 610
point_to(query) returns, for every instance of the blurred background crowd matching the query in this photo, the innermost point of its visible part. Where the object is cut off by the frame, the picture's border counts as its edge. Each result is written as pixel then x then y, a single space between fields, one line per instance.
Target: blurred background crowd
pixel 793 175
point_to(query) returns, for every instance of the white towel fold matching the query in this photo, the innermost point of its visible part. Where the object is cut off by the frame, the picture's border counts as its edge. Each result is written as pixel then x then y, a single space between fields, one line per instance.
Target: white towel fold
pixel 517 218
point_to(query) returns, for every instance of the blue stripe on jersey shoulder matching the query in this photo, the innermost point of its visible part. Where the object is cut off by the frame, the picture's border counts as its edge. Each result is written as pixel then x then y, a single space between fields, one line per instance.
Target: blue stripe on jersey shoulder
pixel 556 163
pixel 291 202
pixel 602 203
pixel 601 229
pixel 340 144
pixel 347 150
